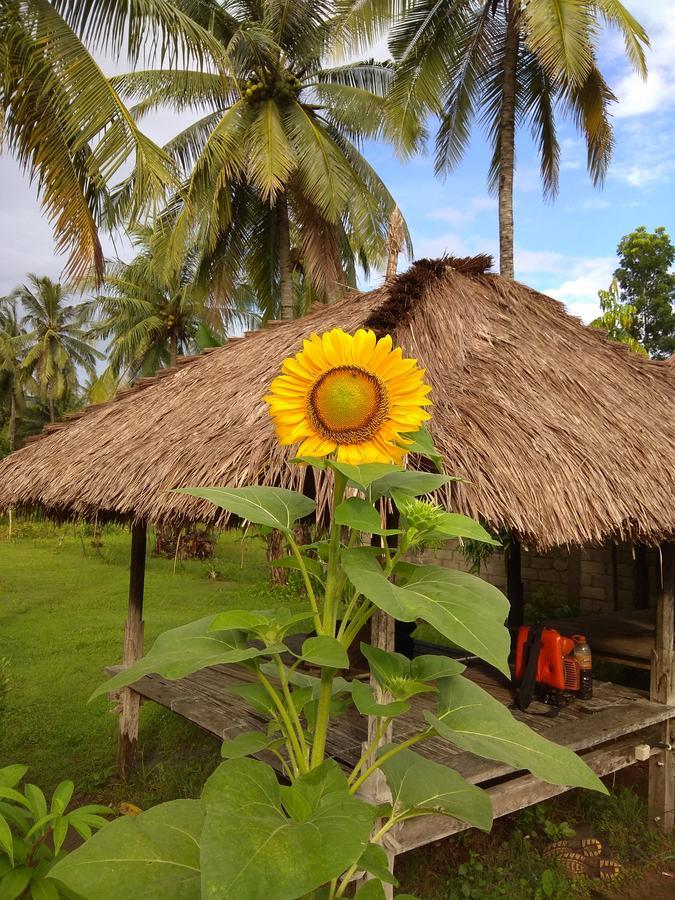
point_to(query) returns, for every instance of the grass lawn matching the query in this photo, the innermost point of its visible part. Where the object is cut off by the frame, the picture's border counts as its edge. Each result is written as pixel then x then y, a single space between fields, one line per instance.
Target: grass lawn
pixel 62 614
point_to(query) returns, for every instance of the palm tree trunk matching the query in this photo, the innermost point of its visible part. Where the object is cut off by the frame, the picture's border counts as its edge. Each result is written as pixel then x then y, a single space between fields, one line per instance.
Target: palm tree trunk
pixel 173 349
pixel 507 143
pixel 52 411
pixel 285 272
pixel 395 237
pixel 12 421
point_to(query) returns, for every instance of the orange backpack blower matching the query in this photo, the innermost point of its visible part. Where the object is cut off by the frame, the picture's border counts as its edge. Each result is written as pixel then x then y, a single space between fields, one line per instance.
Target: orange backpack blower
pixel 551 667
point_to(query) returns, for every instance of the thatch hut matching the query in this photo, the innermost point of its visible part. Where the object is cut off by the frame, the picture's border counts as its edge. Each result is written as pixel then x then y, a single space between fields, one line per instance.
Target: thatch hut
pixel 561 436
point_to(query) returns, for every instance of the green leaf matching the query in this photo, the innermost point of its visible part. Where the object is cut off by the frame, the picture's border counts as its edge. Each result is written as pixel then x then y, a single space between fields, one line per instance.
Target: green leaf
pixel 41 889
pixel 433 666
pixel 374 861
pixel 371 890
pixel 422 444
pixel 247 744
pixel 252 847
pixel 367 705
pixel 154 856
pixel 6 839
pixel 10 776
pixel 472 719
pixel 420 786
pixel 62 796
pixel 364 475
pixel 184 650
pixel 269 625
pixel 361 516
pixel 59 832
pixel 274 507
pixel 408 482
pixel 465 609
pixel 256 696
pixel 394 672
pixel 15 882
pixel 455 525
pixel 7 793
pixel 36 800
pixel 325 651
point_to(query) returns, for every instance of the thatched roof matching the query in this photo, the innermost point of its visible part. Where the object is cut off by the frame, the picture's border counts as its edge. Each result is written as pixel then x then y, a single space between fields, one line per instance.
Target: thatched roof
pixel 561 435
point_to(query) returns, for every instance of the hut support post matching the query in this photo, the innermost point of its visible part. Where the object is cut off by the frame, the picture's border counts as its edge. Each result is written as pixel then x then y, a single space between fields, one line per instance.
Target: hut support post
pixel 382 635
pixel 514 583
pixel 130 701
pixel 662 690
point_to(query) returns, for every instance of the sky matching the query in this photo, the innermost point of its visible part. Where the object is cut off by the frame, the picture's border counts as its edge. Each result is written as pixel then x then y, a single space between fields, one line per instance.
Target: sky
pixel 566 248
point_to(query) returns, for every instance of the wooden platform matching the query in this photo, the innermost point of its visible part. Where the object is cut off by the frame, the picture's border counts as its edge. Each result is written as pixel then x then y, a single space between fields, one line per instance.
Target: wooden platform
pixel 626 637
pixel 604 730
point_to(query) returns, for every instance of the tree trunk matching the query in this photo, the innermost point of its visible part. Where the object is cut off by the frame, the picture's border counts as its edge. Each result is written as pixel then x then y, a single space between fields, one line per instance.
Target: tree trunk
pixel 507 143
pixel 173 349
pixel 52 411
pixel 275 550
pixel 285 272
pixel 395 237
pixel 12 421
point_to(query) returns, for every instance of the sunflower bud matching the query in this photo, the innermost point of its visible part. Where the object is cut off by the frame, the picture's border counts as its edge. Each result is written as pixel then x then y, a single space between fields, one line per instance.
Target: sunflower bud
pixel 420 515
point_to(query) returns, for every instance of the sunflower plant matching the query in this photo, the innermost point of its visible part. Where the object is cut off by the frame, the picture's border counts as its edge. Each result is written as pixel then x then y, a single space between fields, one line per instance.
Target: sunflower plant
pixel 279 818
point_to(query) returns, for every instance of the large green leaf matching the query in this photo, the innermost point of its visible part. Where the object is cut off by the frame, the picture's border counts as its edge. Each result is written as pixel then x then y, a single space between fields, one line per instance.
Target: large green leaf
pixel 325 651
pixel 357 513
pixel 154 856
pixel 374 860
pixel 465 609
pixel 6 839
pixel 419 786
pixel 274 507
pixel 260 840
pixel 409 482
pixel 472 719
pixel 186 649
pixel 454 525
pixel 422 443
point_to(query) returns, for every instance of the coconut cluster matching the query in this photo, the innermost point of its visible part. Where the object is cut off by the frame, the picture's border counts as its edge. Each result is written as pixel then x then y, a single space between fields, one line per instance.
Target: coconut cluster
pixel 284 85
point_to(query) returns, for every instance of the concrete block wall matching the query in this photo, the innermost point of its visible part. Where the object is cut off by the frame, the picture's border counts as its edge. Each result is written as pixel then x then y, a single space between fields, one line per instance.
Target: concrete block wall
pixel 581 578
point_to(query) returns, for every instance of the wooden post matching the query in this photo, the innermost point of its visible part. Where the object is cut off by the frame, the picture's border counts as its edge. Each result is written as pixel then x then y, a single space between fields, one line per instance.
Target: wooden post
pixel 130 701
pixel 662 690
pixel 641 577
pixel 514 583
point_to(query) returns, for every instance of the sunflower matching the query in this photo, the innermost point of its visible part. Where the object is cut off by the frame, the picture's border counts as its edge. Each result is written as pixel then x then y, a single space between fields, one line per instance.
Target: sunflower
pixel 349 394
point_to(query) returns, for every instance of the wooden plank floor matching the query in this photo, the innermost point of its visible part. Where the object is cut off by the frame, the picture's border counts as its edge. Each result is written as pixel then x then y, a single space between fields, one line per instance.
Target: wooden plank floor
pixel 613 712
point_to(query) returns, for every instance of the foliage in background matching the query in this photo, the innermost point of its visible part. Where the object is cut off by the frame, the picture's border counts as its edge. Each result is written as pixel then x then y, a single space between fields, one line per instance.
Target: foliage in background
pixel 618 319
pixel 647 283
pixel 506 64
pixel 276 191
pixel 33 832
pixel 63 119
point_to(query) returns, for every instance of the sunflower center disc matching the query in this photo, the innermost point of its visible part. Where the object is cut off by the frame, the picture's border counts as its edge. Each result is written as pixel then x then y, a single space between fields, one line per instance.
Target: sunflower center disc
pixel 347 404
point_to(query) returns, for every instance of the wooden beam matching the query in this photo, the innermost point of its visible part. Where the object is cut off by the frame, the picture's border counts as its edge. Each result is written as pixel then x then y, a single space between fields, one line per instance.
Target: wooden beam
pixel 662 690
pixel 130 701
pixel 514 583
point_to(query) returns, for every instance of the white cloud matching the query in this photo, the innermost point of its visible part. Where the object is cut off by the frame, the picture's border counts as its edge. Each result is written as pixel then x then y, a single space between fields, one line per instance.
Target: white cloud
pixel 455 215
pixel 636 96
pixel 639 176
pixel 579 291
pixel 528 262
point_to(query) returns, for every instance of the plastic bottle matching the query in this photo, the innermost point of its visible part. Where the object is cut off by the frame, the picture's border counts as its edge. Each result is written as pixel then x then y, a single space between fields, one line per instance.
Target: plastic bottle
pixel 582 654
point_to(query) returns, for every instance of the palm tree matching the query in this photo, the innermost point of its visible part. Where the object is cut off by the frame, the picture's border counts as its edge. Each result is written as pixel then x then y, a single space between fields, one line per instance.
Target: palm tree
pixel 152 316
pixel 14 376
pixel 58 341
pixel 508 63
pixel 63 120
pixel 276 189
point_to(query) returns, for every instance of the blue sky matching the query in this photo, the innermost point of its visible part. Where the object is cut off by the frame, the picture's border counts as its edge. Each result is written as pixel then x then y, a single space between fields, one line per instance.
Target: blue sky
pixel 566 249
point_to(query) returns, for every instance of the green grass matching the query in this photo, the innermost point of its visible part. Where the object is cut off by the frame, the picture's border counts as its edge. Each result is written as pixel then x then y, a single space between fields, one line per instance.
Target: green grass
pixel 62 613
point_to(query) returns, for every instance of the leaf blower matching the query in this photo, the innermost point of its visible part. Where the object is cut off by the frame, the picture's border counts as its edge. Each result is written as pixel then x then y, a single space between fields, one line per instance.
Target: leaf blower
pixel 551 668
